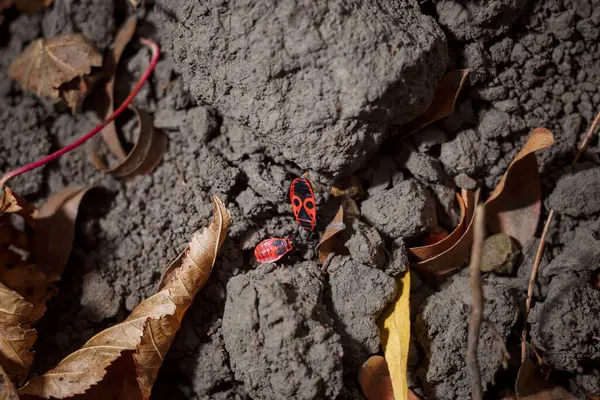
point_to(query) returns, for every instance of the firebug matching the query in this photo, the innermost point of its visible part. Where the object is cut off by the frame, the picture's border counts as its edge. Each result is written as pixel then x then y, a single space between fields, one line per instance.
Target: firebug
pixel 302 198
pixel 272 249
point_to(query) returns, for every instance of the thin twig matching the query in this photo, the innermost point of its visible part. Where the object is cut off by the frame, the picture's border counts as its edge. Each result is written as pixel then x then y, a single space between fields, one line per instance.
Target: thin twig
pixel 587 138
pixel 536 265
pixel 155 55
pixel 476 303
pixel 540 251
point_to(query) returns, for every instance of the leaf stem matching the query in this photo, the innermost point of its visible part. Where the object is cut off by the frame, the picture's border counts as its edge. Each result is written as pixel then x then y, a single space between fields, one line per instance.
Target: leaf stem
pixel 155 55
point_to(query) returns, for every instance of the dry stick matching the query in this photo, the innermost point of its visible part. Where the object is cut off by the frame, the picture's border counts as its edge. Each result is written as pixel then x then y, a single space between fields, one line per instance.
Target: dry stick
pixel 155 55
pixel 540 250
pixel 476 303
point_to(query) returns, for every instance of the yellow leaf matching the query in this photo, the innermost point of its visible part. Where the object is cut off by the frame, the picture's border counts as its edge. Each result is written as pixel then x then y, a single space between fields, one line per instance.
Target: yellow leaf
pixel 394 328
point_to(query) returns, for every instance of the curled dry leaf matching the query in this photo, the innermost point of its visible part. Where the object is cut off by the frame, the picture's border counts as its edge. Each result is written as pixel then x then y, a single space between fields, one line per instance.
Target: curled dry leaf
pixel 394 328
pixel 328 244
pixel 531 385
pixel 145 155
pixel 46 64
pixel 31 6
pixel 423 253
pixel 458 246
pixel 444 99
pixel 111 62
pixel 135 3
pixel 151 143
pixel 149 329
pixel 374 379
pixel 514 206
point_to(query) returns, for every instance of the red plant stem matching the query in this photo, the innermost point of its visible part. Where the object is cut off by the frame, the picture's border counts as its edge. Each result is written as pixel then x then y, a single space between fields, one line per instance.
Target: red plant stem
pixel 155 55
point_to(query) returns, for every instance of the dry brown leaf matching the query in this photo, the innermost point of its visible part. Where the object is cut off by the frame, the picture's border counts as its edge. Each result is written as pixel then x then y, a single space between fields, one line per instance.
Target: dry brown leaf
pixel 531 385
pixel 150 353
pixel 111 62
pixel 10 202
pixel 16 335
pixel 26 285
pixel 374 379
pixel 444 99
pixel 145 155
pixel 135 3
pixel 349 186
pixel 327 245
pixel 183 279
pixel 514 206
pixel 31 6
pixel 423 253
pixel 457 253
pixel 7 389
pixel 55 228
pixel 46 64
pixel 87 367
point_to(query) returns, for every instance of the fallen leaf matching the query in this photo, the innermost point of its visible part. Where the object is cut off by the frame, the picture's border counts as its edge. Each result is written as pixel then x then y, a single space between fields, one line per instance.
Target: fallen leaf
pixel 149 329
pixel 55 228
pixel 26 285
pixel 111 62
pixel 374 379
pixel 531 385
pixel 327 245
pixel 444 100
pixel 75 91
pixel 145 155
pixel 423 253
pixel 394 328
pixel 135 3
pixel 436 236
pixel 514 206
pixel 10 202
pixel 31 6
pixel 460 244
pixel 349 186
pixel 7 389
pixel 16 335
pixel 46 64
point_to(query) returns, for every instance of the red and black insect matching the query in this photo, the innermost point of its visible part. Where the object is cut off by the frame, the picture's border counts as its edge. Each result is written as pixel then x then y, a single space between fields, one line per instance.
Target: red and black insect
pixel 271 250
pixel 302 198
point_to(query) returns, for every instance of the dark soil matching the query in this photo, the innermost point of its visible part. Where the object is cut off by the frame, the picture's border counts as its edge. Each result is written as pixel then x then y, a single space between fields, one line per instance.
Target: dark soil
pixel 252 95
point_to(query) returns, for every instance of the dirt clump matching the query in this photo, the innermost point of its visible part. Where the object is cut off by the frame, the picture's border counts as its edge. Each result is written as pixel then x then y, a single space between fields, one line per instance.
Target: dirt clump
pixel 441 328
pixel 577 193
pixel 358 294
pixel 279 336
pixel 346 71
pixel 404 211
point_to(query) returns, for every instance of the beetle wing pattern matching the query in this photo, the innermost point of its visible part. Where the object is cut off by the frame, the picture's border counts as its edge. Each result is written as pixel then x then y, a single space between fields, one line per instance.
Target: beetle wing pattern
pixel 302 198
